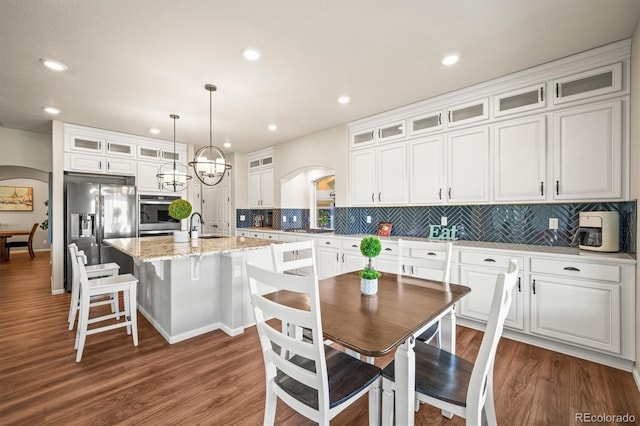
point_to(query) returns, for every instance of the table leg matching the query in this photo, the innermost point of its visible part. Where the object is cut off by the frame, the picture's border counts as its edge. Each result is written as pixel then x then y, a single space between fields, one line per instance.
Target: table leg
pixel 448 331
pixel 405 370
pixel 4 251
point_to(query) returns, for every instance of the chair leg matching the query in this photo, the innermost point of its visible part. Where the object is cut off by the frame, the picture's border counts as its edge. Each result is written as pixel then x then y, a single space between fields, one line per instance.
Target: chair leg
pixel 489 406
pixel 31 253
pixel 115 304
pixel 127 309
pixel 133 314
pixel 73 305
pixel 271 401
pixel 83 323
pixel 388 398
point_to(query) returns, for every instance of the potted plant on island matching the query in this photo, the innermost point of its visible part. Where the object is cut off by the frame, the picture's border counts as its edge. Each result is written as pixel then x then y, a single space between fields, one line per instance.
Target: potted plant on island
pixel 369 247
pixel 180 209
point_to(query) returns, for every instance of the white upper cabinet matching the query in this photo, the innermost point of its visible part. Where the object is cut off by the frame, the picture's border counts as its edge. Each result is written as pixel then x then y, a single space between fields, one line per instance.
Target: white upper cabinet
pixel 260 179
pixel 120 148
pixel 519 162
pixel 426 170
pixel 425 123
pixel 469 112
pixel 588 152
pixel 468 165
pixel 84 143
pixel 521 100
pixel 378 176
pixel 595 82
pixel 383 133
pixel 149 152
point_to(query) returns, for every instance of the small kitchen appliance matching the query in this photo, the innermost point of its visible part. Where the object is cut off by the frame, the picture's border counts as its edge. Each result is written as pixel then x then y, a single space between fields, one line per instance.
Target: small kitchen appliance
pixel 598 231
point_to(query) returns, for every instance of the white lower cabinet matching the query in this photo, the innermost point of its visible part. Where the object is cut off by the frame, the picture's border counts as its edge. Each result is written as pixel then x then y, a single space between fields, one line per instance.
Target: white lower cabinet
pixel 559 302
pixel 581 312
pixel 336 256
pixel 479 272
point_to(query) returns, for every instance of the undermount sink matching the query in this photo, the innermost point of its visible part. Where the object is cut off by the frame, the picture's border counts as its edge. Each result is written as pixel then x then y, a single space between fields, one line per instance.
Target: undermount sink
pixel 210 237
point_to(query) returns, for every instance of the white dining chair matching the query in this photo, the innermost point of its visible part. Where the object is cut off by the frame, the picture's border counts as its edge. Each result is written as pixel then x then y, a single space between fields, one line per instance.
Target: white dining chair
pixel 93 271
pixel 315 380
pixel 454 384
pixel 297 258
pixel 125 283
pixel 430 260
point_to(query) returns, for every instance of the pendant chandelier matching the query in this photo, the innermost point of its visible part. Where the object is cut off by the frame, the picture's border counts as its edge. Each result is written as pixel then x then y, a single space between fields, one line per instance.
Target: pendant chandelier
pixel 173 176
pixel 209 163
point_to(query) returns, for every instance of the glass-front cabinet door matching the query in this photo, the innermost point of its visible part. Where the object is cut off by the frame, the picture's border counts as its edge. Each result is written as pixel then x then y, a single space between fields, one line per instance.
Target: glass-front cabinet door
pixel 520 100
pixel 468 113
pixel 425 123
pixel 589 83
pixel 363 138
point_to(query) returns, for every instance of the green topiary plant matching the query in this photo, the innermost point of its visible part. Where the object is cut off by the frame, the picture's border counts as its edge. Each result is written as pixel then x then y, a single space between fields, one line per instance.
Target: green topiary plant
pixel 180 209
pixel 370 247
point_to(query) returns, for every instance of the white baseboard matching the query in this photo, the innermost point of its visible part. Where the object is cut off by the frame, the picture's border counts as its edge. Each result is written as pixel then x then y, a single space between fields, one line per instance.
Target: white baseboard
pixel 636 376
pixel 58 292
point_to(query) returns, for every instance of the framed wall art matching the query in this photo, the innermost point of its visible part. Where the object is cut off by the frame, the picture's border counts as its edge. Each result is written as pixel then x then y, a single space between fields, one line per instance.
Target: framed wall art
pixel 16 198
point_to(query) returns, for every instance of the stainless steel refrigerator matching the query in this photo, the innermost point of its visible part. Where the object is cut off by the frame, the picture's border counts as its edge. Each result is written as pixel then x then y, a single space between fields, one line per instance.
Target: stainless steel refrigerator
pixel 96 211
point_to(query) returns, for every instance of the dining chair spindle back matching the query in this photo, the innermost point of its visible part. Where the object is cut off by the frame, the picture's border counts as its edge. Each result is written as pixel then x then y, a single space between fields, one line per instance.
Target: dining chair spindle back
pixel 432 259
pixel 314 379
pixel 454 384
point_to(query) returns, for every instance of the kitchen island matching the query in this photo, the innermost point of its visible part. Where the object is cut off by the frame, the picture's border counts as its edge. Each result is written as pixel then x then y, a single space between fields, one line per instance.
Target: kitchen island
pixel 189 289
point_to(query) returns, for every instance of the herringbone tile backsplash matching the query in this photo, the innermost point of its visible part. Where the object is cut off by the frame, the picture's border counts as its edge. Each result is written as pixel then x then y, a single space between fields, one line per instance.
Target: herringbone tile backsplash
pixel 517 224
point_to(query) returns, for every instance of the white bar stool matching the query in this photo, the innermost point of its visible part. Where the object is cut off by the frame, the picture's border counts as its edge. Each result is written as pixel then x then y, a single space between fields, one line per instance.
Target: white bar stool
pixel 93 271
pixel 125 283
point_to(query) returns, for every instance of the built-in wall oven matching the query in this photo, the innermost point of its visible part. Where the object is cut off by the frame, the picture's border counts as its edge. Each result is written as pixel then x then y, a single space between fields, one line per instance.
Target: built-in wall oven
pixel 154 219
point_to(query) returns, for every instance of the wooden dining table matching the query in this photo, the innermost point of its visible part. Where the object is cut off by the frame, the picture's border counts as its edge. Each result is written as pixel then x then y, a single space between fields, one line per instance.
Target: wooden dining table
pixel 6 232
pixel 376 325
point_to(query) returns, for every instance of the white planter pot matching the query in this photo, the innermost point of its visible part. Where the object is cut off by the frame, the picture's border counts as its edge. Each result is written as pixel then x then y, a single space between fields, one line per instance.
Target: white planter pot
pixel 180 236
pixel 368 287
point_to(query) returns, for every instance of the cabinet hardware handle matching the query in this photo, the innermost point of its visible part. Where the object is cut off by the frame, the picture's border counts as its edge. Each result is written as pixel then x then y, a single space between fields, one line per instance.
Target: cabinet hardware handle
pixel 379 196
pixel 449 116
pixel 108 165
pixel 403 269
pixel 519 286
pixel 557 187
pixel 571 268
pixel 489 260
pixel 440 194
pixel 342 257
pixel 542 94
pixel 108 146
pixel 99 164
pixel 337 257
pixel 388 249
pixel 449 192
pixel 379 133
pixel 354 245
pixel 534 286
pixel 431 254
pixel 542 189
pixel 328 242
pixel 372 197
pixel 439 119
pixel 557 90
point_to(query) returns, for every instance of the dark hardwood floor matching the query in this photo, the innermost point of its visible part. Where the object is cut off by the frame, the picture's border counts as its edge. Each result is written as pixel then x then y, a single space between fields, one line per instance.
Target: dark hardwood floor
pixel 215 379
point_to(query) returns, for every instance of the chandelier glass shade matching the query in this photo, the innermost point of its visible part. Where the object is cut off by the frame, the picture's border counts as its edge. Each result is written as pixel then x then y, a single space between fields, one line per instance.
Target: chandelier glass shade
pixel 173 176
pixel 209 163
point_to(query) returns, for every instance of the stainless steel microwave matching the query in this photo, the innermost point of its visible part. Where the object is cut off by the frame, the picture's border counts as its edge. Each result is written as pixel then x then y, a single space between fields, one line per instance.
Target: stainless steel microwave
pixel 153 211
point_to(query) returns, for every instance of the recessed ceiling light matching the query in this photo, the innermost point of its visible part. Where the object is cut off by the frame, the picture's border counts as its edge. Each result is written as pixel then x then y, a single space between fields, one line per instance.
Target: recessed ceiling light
pixel 450 60
pixel 272 127
pixel 251 53
pixel 54 65
pixel 51 110
pixel 227 144
pixel 154 131
pixel 344 100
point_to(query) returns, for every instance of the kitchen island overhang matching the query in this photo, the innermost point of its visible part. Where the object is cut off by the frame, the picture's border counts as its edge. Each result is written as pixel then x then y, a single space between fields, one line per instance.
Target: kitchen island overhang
pixel 187 290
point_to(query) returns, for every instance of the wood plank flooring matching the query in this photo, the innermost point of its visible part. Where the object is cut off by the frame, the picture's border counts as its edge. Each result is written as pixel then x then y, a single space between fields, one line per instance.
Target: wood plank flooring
pixel 215 379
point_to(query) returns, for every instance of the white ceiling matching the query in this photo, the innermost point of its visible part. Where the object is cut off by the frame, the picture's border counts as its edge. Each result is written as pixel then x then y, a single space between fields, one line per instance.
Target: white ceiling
pixel 132 63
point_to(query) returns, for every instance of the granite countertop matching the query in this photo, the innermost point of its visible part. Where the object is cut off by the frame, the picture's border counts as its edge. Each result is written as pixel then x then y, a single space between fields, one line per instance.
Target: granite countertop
pixel 148 249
